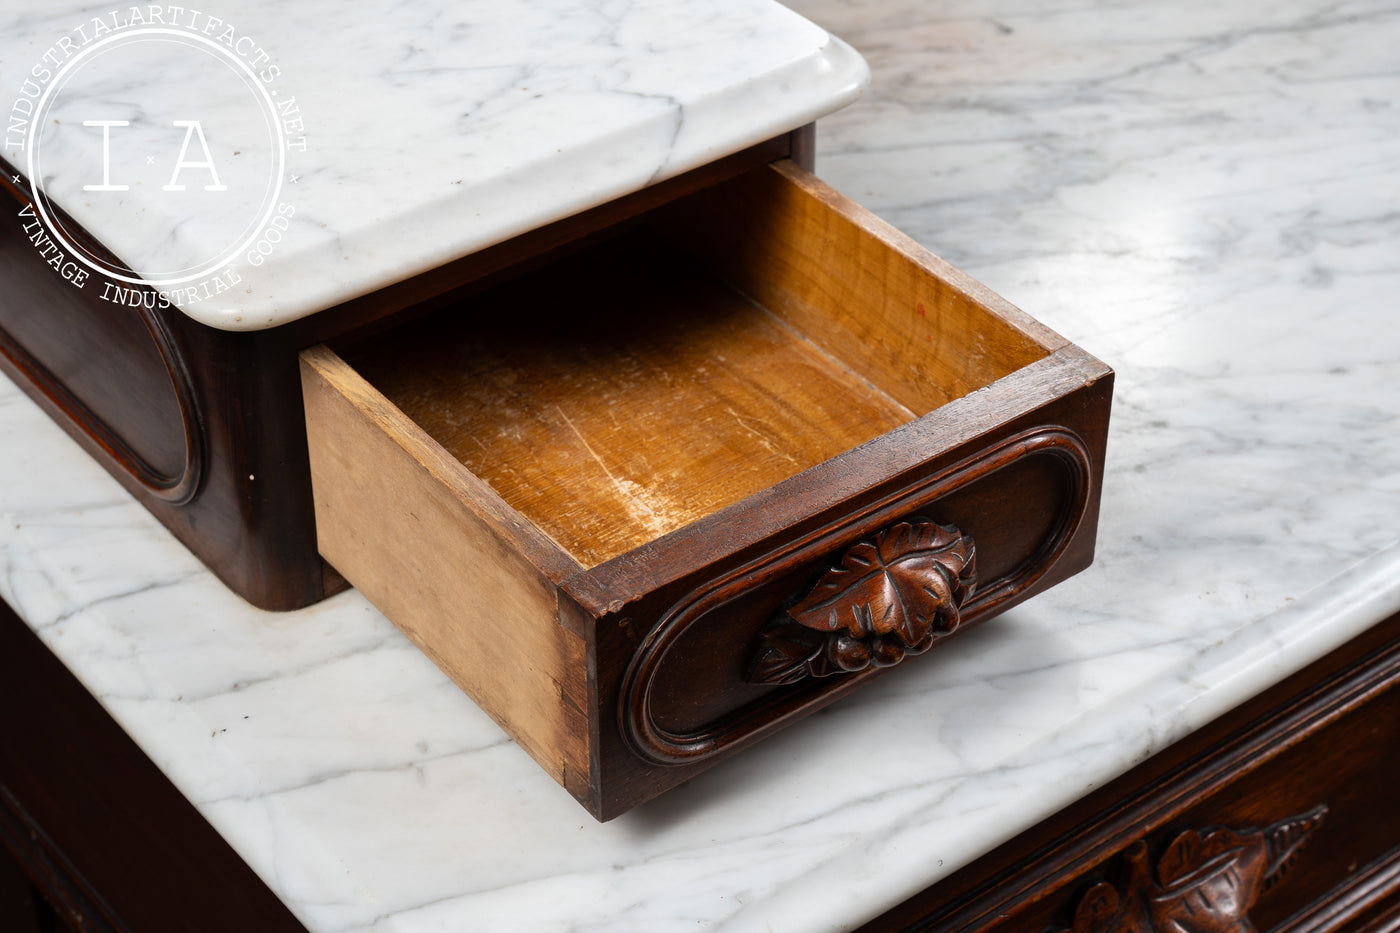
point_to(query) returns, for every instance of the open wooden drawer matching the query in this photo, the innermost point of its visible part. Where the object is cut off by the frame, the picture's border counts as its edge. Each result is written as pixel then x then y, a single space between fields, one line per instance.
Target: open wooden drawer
pixel 703 476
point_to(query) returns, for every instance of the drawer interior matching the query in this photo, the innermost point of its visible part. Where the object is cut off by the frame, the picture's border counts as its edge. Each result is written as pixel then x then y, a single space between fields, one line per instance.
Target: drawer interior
pixel 708 351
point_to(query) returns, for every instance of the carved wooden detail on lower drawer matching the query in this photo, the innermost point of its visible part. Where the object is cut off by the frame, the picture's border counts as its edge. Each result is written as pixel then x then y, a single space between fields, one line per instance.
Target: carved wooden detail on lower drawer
pixel 82 909
pixel 889 596
pixel 1204 881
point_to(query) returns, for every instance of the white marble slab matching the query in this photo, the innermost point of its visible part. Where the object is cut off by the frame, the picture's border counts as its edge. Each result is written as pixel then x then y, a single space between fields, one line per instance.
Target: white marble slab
pixel 1206 197
pixel 431 130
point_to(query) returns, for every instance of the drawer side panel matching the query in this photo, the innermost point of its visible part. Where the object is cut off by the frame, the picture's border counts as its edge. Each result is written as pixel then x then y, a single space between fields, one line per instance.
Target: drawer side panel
pixel 409 532
pixel 916 327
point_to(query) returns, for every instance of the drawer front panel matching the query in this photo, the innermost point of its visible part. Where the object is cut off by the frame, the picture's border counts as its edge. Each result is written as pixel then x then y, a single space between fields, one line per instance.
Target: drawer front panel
pixel 1279 846
pixel 113 371
pixel 733 657
pixel 473 520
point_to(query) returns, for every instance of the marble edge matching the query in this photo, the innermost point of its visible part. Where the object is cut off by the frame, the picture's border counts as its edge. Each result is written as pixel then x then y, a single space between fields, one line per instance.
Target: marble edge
pixel 310 279
pixel 321 290
pixel 1059 767
pixel 917 843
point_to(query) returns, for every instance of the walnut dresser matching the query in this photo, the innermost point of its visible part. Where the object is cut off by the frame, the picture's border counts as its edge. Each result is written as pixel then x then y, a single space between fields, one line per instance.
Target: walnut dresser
pixel 1197 732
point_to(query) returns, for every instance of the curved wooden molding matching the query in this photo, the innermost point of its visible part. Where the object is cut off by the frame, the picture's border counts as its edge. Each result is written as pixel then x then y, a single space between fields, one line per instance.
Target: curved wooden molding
pixel 179 488
pixel 175 488
pixel 61 883
pixel 889 596
pixel 650 740
pixel 1204 881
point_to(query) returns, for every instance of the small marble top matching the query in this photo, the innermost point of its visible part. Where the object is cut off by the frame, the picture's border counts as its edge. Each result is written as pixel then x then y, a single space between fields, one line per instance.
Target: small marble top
pixel 352 147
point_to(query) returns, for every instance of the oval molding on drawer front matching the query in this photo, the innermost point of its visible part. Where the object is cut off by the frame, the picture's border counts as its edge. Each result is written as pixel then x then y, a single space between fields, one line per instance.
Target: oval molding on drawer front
pixel 114 371
pixel 657 741
pixel 176 486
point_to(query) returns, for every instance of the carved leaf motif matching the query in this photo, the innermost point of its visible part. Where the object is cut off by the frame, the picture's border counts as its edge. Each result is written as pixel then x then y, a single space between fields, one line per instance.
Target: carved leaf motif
pixel 1097 907
pixel 1204 881
pixel 900 581
pixel 1189 852
pixel 1283 839
pixel 1208 885
pixel 888 597
pixel 787 655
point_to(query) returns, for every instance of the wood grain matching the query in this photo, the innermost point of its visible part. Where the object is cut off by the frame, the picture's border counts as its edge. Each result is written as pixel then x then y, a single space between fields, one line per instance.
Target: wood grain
pixel 1069 388
pixel 909 322
pixel 690 693
pixel 451 564
pixel 626 392
pixel 531 478
pixel 623 394
pixel 221 459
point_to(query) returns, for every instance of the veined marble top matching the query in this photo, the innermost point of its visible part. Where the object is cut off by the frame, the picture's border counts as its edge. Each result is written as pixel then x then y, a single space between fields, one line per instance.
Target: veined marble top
pixel 1204 195
pixel 351 147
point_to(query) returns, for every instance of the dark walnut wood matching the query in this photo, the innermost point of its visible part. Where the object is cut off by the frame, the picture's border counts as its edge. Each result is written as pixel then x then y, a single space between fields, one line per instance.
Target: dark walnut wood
pixel 143 370
pixel 22 908
pixel 888 597
pixel 688 695
pixel 1190 839
pixel 108 844
pixel 205 427
pixel 1203 882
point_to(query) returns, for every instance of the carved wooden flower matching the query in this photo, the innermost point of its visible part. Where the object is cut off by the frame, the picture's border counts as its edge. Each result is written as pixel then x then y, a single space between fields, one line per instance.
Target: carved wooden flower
pixel 908 579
